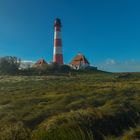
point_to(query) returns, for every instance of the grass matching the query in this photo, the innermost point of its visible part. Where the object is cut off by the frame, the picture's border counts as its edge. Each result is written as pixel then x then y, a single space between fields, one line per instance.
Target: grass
pixel 92 105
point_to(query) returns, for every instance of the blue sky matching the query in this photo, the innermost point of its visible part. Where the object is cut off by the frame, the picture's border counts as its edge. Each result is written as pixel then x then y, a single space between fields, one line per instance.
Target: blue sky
pixel 107 32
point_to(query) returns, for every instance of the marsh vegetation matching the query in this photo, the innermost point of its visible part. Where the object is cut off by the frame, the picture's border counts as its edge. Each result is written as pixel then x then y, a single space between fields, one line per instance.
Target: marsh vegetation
pixel 78 106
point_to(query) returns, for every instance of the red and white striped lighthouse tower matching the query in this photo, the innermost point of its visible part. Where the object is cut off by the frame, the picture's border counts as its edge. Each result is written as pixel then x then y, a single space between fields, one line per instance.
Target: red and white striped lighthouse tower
pixel 57 56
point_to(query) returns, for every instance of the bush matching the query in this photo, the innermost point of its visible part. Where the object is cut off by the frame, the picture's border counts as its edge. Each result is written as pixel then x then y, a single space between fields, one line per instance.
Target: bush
pixel 64 68
pixel 9 65
pixel 52 68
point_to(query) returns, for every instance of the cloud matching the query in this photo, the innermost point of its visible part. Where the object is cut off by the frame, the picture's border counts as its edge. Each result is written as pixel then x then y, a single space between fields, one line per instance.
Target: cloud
pixel 120 66
pixel 110 62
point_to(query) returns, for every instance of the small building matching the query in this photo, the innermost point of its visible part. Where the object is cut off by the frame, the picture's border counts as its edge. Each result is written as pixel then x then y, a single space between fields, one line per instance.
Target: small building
pixel 79 62
pixel 40 63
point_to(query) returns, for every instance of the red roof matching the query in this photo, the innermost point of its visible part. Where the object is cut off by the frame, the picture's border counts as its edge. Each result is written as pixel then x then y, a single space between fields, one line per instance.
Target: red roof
pixel 40 62
pixel 79 59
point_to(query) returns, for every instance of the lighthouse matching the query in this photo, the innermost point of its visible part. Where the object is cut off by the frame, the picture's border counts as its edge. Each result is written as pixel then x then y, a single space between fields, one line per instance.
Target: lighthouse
pixel 58 55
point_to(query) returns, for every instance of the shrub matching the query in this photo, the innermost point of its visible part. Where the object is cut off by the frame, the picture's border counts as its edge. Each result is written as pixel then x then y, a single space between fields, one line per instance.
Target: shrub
pixel 9 65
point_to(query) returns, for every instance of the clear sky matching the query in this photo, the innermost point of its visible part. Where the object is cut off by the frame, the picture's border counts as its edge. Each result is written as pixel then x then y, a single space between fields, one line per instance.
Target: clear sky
pixel 107 32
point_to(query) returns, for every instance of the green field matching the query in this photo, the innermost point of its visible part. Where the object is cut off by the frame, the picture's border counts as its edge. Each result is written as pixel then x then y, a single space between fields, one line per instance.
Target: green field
pixel 92 105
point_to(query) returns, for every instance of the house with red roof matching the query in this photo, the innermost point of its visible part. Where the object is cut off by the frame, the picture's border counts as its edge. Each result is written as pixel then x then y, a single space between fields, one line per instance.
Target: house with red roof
pixel 40 63
pixel 79 62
